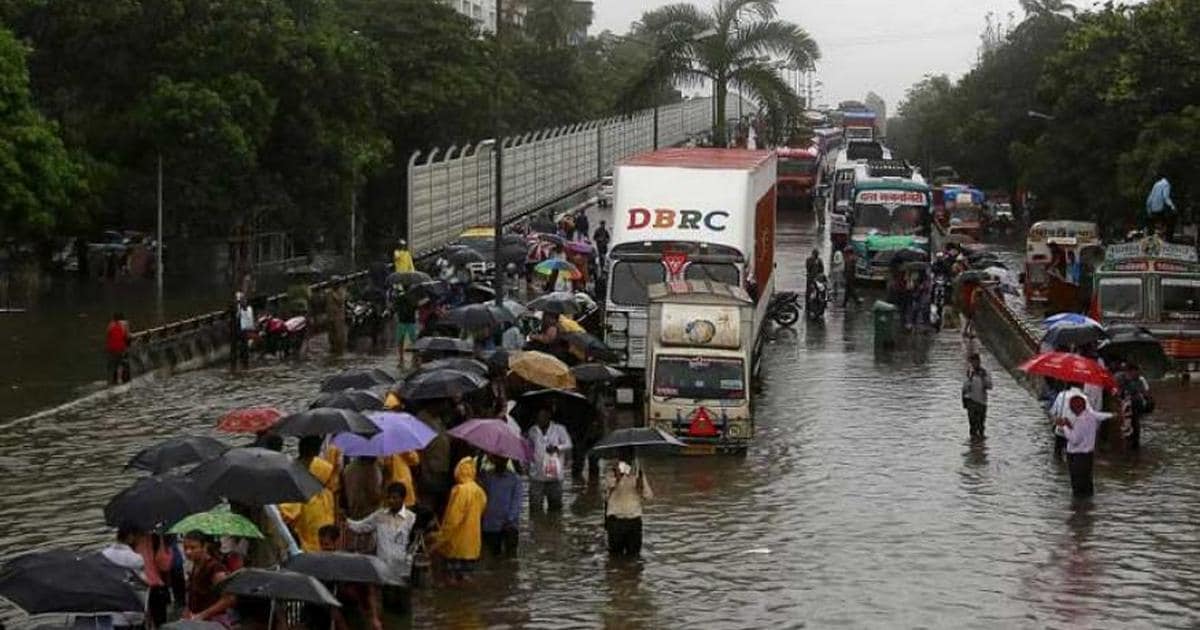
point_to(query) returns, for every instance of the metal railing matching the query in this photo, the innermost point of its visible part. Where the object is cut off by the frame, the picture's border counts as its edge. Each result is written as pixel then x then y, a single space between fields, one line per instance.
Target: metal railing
pixel 451 190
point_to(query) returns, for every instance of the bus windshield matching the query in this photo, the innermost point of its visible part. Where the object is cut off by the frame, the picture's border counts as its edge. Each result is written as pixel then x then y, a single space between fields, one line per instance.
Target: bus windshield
pixel 902 221
pixel 1181 298
pixel 700 378
pixel 1121 297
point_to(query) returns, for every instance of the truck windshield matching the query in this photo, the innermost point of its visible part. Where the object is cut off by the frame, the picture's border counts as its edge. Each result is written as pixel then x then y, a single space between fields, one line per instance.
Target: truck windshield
pixel 631 279
pixel 700 378
pixel 1181 298
pixel 1121 297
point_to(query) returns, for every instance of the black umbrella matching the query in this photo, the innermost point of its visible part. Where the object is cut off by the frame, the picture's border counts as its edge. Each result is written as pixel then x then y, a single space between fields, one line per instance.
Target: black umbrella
pixel 477 292
pixel 462 255
pixel 62 581
pixel 433 289
pixel 515 253
pixel 338 566
pixel 356 379
pixel 443 383
pixel 256 476
pixel 177 451
pixel 463 364
pixel 408 278
pixel 570 407
pixel 1073 335
pixel 325 421
pixel 558 303
pixel 353 399
pixel 1137 345
pixel 595 373
pixel 476 316
pixel 909 254
pixel 637 437
pixel 589 346
pixel 278 584
pixel 443 344
pixel 159 501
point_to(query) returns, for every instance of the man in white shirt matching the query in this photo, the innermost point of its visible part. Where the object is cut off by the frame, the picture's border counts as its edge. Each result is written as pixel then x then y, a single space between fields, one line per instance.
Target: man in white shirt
pixel 551 446
pixel 122 554
pixel 392 526
pixel 1061 409
pixel 246 327
pixel 625 488
pixel 1080 432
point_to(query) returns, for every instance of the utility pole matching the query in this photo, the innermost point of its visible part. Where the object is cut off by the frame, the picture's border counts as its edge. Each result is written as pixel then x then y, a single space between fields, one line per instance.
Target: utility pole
pixel 498 149
pixel 158 255
pixel 353 215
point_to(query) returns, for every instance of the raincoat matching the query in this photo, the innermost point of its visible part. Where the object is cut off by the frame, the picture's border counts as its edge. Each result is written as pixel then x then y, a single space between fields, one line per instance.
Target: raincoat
pixel 460 537
pixel 399 470
pixel 308 518
pixel 402 260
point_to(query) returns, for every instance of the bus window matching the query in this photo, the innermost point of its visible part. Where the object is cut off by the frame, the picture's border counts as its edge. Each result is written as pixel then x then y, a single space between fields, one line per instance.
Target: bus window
pixel 1121 297
pixel 1181 298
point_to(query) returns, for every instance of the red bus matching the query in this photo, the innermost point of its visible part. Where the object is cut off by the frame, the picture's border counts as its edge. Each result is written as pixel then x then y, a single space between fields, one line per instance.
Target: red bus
pixel 797 174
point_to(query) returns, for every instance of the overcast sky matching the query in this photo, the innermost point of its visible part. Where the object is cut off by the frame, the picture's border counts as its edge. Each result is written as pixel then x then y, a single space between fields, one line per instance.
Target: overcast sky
pixel 879 45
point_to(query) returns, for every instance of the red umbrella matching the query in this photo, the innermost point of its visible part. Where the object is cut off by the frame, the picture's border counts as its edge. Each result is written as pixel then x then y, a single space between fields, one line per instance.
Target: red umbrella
pixel 1069 367
pixel 251 420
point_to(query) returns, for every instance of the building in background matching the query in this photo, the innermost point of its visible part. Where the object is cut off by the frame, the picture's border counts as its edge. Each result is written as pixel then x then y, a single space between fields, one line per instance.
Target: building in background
pixel 483 12
pixel 875 103
pixel 585 11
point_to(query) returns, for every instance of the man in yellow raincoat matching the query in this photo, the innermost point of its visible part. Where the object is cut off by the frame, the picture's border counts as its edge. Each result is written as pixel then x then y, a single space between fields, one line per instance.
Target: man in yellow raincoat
pixel 307 519
pixel 461 538
pixel 402 258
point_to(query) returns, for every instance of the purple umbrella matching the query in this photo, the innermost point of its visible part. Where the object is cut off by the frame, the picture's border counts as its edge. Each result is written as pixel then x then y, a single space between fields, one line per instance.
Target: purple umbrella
pixel 579 247
pixel 494 437
pixel 398 433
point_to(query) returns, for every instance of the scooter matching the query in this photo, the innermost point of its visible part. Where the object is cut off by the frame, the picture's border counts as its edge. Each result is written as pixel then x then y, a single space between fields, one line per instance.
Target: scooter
pixel 282 337
pixel 818 297
pixel 784 308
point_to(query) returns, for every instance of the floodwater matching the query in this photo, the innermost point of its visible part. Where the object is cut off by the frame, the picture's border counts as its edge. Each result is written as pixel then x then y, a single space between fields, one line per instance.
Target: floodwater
pixel 861 504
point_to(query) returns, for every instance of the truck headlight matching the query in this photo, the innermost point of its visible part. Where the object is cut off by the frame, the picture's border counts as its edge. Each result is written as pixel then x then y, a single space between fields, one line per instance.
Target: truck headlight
pixel 618 323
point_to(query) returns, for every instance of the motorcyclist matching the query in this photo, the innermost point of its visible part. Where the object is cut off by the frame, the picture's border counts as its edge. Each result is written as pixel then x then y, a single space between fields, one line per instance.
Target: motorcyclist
pixel 813 267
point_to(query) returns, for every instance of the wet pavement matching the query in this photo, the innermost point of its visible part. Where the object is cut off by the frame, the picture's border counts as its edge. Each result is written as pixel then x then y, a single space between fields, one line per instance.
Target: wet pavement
pixel 861 503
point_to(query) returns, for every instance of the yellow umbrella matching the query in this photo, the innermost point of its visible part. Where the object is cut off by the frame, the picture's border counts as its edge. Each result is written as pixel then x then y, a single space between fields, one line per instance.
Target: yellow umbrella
pixel 542 369
pixel 569 325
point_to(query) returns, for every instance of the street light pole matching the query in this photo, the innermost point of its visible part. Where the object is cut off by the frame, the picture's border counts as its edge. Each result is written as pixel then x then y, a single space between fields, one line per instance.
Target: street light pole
pixel 158 255
pixel 498 150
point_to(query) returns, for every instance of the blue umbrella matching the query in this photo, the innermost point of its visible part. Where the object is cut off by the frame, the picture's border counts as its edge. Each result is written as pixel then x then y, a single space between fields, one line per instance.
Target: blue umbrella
pixel 398 433
pixel 1069 318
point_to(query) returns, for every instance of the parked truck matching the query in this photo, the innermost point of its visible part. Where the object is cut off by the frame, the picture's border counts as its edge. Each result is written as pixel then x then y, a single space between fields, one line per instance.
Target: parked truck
pixel 686 214
pixel 700 363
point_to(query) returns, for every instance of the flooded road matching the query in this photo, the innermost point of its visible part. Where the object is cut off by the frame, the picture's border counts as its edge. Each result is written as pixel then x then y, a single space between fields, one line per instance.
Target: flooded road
pixel 861 504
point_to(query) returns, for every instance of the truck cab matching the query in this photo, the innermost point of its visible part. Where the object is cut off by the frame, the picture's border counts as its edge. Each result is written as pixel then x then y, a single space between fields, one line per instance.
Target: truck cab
pixel 699 364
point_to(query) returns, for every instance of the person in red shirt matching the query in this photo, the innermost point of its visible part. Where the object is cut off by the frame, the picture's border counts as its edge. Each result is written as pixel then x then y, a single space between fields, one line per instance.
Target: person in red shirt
pixel 116 344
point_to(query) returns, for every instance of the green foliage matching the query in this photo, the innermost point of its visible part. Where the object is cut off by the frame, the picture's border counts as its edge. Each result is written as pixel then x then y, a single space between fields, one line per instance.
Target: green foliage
pixel 268 114
pixel 1120 83
pixel 39 180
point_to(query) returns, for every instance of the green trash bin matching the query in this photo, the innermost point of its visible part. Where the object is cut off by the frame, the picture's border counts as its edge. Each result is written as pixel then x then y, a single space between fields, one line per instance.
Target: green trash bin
pixel 886 323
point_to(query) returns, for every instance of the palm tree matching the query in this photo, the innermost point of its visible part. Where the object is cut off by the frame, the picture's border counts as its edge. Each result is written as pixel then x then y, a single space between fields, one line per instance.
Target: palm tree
pixel 551 23
pixel 731 43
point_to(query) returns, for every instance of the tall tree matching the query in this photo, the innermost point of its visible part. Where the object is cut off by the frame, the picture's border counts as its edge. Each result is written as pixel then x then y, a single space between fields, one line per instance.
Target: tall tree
pixel 39 180
pixel 731 44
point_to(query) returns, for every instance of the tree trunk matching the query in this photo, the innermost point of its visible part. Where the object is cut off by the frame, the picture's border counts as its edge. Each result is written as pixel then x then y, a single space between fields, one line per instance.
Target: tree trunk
pixel 721 93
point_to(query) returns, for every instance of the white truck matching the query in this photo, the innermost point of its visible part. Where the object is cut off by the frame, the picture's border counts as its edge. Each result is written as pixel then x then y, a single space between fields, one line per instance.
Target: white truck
pixel 687 214
pixel 700 365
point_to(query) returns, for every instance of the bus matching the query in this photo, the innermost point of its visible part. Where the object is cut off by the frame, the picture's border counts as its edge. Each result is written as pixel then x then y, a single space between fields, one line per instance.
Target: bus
pixel 891 212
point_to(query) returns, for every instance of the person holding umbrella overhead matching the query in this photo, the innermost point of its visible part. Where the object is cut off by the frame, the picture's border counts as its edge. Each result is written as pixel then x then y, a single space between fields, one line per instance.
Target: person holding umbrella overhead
pixel 1080 432
pixel 625 488
pixel 307 519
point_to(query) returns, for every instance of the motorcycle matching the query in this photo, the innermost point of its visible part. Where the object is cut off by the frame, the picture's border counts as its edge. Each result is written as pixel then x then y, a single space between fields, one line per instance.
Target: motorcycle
pixel 818 297
pixel 282 337
pixel 364 318
pixel 784 308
